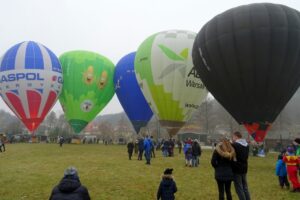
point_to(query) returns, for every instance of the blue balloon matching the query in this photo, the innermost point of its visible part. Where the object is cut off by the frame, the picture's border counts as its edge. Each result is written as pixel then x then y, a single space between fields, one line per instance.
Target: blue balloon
pixel 130 94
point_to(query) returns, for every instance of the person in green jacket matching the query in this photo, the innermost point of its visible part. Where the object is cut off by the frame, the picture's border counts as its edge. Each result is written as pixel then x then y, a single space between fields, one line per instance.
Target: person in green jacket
pixel 297 146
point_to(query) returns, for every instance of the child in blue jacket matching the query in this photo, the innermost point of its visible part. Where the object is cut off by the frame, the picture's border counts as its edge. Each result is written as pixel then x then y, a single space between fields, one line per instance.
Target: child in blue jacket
pixel 167 187
pixel 281 172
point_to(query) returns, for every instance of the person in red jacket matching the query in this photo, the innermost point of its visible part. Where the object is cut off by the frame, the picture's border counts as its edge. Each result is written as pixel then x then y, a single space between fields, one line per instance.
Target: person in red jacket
pixel 292 163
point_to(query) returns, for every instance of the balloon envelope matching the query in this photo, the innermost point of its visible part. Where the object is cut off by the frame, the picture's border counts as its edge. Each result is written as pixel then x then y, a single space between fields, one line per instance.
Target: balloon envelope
pixel 88 86
pixel 130 94
pixel 31 81
pixel 167 77
pixel 248 58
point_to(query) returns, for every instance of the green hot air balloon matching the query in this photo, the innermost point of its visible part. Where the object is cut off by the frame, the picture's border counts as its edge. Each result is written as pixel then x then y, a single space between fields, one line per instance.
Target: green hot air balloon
pixel 168 79
pixel 87 88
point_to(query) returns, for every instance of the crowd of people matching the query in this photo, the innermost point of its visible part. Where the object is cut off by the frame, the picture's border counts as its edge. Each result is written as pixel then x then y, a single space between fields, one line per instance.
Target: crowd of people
pixel 167 147
pixel 142 146
pixel 147 146
pixel 229 160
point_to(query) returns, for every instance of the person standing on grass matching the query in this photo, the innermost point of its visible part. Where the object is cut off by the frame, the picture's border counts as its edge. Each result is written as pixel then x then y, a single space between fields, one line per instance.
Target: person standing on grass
pixel 130 147
pixel 147 149
pixel 240 166
pixel 196 151
pixel 70 187
pixel 167 187
pixel 136 147
pixel 281 172
pixel 187 150
pixel 0 144
pixel 165 147
pixel 61 141
pixel 221 160
pixel 141 148
pixel 292 162
pixel 179 143
pixel 296 144
pixel 152 147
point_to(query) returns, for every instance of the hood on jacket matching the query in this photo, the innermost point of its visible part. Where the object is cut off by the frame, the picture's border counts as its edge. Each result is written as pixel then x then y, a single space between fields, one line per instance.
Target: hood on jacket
pixel 67 185
pixel 226 154
pixel 242 142
pixel 167 179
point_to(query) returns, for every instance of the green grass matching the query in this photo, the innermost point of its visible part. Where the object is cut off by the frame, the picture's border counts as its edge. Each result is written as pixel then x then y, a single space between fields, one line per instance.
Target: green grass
pixel 30 171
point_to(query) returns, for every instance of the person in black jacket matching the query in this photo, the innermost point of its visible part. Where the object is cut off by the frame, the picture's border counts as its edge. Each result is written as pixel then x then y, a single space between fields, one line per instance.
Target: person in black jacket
pixel 130 147
pixel 240 166
pixel 221 161
pixel 196 152
pixel 70 187
pixel 167 187
pixel 141 148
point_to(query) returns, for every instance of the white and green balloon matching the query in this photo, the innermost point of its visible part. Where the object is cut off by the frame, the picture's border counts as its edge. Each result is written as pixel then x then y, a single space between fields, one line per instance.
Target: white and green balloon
pixel 168 80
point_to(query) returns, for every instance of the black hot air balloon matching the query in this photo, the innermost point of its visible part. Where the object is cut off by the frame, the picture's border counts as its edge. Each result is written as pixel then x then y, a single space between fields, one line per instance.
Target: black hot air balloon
pixel 249 58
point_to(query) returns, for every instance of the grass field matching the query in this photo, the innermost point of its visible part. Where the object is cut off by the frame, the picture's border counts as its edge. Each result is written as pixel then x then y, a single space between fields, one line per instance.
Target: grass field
pixel 29 171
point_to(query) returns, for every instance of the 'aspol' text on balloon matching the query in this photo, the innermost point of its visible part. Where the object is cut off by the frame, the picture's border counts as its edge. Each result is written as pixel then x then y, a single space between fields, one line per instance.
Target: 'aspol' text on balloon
pixel 27 76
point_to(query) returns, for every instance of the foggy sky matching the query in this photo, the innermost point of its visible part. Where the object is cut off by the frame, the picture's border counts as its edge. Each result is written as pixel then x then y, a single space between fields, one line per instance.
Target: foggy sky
pixel 112 28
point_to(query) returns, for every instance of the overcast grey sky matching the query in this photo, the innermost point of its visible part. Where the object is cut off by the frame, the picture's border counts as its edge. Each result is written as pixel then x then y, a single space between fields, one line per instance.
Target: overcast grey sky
pixel 112 28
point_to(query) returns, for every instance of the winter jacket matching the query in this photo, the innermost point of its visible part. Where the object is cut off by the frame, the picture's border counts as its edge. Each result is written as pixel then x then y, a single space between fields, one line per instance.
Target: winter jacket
pixel 223 167
pixel 298 151
pixel 281 168
pixel 196 149
pixel 165 145
pixel 69 189
pixel 141 144
pixel 240 166
pixel 186 147
pixel 167 188
pixel 147 145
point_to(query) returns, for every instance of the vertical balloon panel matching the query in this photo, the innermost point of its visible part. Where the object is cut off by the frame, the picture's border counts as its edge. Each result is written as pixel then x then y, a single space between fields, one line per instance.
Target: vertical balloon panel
pixel 31 81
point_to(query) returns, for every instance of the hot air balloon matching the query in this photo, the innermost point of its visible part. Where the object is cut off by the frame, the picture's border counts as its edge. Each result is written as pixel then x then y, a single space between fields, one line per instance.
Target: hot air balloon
pixel 88 86
pixel 31 81
pixel 248 58
pixel 130 94
pixel 167 77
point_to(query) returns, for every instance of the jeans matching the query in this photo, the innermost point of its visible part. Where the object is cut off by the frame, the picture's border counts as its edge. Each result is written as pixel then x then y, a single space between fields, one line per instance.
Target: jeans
pixel 148 156
pixel 241 186
pixel 283 181
pixel 224 185
pixel 195 161
pixel 165 153
pixel 140 156
pixel 152 152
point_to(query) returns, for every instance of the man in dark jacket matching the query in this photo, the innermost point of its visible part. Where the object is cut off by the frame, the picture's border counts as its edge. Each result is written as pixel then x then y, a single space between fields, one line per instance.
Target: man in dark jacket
pixel 61 141
pixel 141 148
pixel 130 147
pixel 70 187
pixel 196 152
pixel 240 166
pixel 167 187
